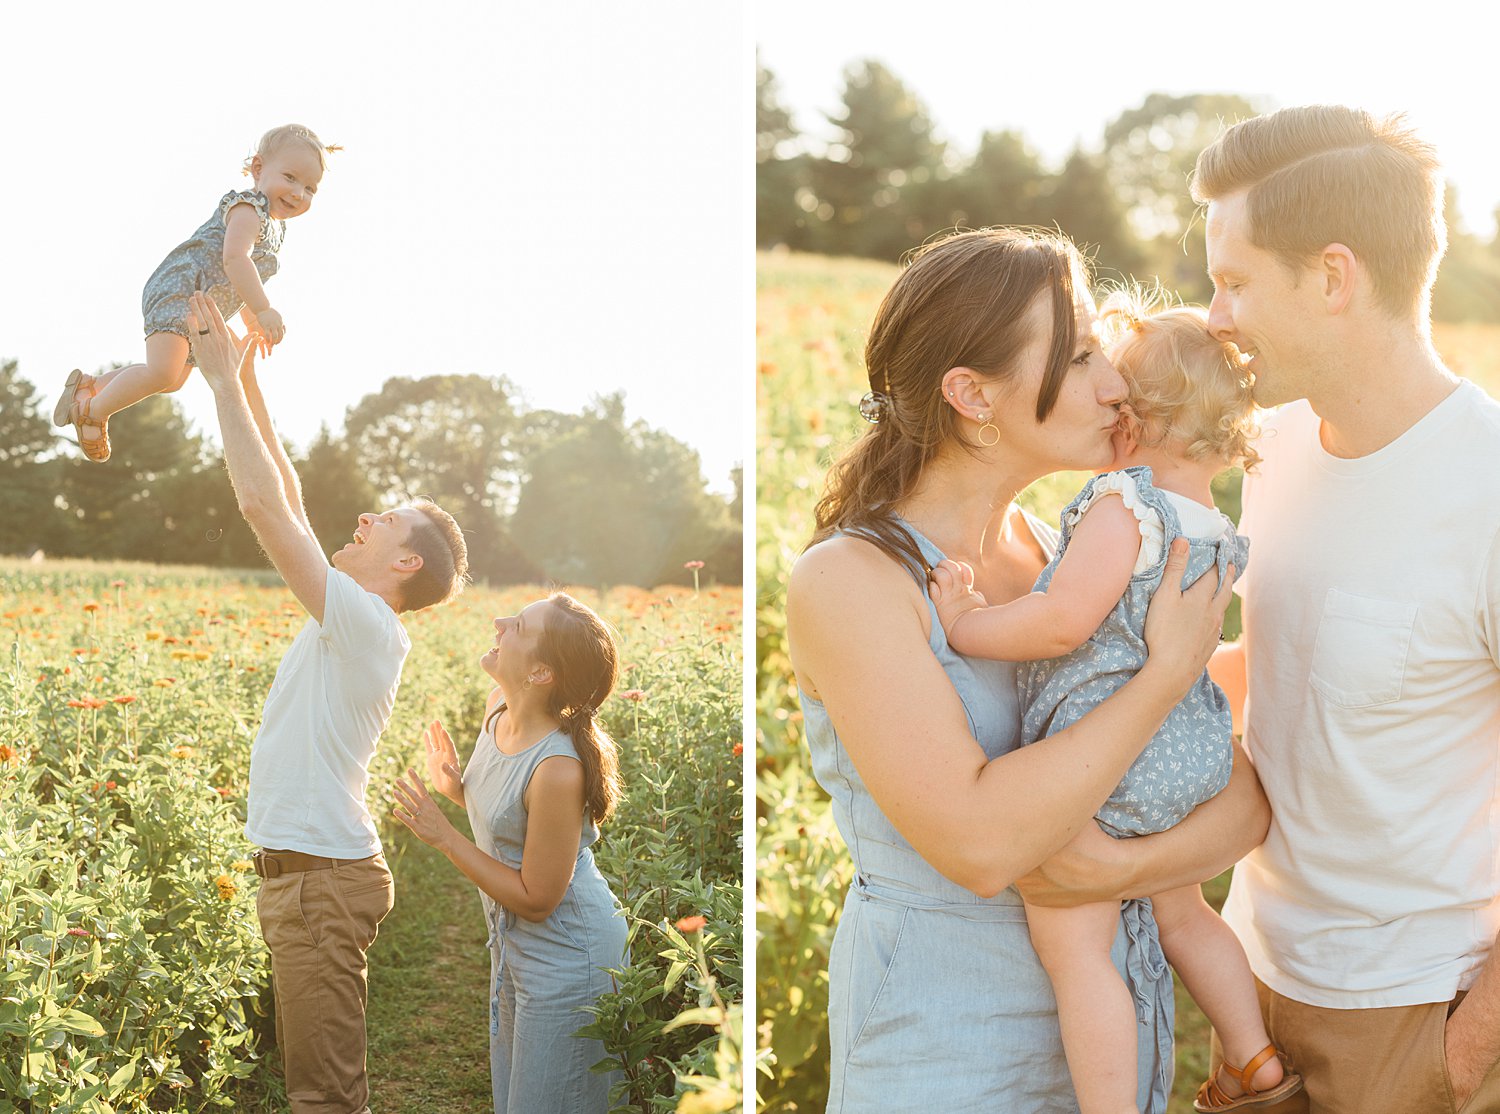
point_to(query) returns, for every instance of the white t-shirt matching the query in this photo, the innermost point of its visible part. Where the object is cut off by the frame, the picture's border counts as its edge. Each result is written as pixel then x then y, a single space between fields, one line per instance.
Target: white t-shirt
pixel 1372 629
pixel 332 696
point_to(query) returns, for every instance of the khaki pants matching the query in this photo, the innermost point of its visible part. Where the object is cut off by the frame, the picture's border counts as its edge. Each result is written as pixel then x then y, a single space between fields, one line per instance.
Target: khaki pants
pixel 318 925
pixel 1376 1061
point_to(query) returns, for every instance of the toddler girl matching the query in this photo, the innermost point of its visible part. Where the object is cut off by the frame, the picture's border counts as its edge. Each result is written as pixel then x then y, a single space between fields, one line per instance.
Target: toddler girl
pixel 229 258
pixel 1188 416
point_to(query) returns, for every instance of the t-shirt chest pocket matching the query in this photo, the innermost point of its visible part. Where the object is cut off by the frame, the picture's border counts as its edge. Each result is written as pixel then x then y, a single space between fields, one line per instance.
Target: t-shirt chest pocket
pixel 1359 656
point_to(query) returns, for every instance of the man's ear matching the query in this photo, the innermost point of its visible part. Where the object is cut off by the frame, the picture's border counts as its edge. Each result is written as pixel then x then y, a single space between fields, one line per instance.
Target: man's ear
pixel 408 563
pixel 1340 271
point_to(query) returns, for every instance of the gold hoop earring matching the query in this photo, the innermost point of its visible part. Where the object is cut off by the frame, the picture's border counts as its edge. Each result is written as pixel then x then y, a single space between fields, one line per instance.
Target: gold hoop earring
pixel 988 425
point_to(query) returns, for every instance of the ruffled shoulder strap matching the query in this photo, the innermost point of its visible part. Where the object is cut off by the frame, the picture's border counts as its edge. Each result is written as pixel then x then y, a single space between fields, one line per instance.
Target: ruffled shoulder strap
pixel 247 197
pixel 1154 516
pixel 1132 485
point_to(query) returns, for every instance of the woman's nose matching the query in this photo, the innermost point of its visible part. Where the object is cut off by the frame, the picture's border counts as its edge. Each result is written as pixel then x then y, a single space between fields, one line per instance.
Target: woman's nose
pixel 1112 387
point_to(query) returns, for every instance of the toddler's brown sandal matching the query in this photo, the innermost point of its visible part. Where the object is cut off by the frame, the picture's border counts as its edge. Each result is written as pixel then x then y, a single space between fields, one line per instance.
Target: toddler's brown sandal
pixel 71 410
pixel 1212 1098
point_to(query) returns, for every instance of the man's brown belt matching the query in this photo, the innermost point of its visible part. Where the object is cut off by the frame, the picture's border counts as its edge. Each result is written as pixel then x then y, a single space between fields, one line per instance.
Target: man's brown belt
pixel 273 864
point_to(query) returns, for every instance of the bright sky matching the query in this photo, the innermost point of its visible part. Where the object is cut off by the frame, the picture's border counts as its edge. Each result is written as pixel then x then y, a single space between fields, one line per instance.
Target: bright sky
pixel 1059 75
pixel 557 193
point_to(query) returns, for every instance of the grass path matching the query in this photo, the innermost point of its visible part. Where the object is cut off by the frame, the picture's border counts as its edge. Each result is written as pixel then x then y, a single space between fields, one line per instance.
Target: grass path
pixel 428 1019
pixel 428 1011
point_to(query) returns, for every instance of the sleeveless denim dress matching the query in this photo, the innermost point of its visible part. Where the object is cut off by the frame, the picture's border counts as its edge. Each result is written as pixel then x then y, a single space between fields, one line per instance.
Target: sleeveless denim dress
pixel 1189 759
pixel 542 976
pixel 937 1000
pixel 198 264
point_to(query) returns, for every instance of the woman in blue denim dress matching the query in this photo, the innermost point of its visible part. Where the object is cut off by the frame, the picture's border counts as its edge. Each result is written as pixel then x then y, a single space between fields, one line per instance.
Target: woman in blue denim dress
pixel 542 778
pixel 986 376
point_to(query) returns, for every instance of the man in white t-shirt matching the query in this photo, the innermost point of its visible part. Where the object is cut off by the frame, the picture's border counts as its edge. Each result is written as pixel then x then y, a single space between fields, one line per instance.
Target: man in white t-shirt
pixel 1371 619
pixel 325 884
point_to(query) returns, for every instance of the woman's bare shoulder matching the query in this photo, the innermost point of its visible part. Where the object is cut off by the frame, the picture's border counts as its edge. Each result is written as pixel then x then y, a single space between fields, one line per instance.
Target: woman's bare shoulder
pixel 846 564
pixel 847 599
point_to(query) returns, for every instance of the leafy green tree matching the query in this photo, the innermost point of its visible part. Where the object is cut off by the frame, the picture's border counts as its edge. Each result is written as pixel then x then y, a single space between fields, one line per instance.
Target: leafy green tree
pixel 1002 184
pixel 1149 154
pixel 1468 279
pixel 1083 204
pixel 335 490
pixel 726 560
pixel 616 503
pixel 870 183
pixel 448 435
pixel 158 498
pixel 779 172
pixel 455 439
pixel 29 520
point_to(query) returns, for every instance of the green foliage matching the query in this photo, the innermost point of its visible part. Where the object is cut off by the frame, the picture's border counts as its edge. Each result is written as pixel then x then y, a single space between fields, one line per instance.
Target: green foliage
pixel 614 503
pixel 780 172
pixel 674 850
pixel 164 495
pixel 129 696
pixel 886 185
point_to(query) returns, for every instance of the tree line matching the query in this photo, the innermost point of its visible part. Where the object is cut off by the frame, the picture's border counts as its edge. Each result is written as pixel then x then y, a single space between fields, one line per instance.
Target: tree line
pixel 886 182
pixel 587 498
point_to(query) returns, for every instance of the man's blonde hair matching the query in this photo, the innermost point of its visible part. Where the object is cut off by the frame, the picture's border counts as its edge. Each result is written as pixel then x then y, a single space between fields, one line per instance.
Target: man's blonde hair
pixel 445 558
pixel 1184 385
pixel 1324 174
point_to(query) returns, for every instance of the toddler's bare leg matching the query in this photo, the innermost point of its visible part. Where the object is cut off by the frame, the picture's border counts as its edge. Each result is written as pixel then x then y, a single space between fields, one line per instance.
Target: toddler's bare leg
pixel 164 371
pixel 1094 1006
pixel 1211 962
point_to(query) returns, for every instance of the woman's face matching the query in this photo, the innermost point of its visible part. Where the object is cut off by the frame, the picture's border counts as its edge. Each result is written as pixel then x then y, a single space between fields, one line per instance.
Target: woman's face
pixel 513 656
pixel 1076 434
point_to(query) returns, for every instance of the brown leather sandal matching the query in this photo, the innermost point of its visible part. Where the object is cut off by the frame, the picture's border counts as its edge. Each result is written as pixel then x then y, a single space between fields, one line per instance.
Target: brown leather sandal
pixel 71 410
pixel 1212 1097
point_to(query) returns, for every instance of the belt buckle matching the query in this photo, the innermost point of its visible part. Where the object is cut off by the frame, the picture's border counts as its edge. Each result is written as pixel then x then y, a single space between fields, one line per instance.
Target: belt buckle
pixel 265 865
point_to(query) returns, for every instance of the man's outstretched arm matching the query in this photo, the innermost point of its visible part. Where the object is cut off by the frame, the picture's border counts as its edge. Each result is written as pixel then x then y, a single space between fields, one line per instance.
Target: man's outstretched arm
pixel 291 486
pixel 257 479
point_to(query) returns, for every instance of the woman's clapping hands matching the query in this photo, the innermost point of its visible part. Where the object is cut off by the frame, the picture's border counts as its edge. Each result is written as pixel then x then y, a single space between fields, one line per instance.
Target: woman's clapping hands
pixel 442 762
pixel 418 811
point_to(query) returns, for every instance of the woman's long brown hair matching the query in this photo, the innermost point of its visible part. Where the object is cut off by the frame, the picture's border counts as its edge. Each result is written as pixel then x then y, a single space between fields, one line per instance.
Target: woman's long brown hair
pixel 961 302
pixel 581 652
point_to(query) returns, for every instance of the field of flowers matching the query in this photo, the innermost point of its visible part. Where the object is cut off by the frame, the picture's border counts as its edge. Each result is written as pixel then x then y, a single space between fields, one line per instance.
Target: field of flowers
pixel 134 976
pixel 810 320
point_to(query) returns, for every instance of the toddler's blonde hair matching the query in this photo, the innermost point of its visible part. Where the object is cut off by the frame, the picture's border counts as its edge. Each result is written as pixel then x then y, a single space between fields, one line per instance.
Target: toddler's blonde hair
pixel 277 137
pixel 1184 385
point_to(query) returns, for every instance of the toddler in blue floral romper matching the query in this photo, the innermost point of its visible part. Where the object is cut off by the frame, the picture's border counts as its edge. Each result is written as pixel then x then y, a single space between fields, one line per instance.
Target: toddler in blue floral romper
pixel 1188 416
pixel 230 257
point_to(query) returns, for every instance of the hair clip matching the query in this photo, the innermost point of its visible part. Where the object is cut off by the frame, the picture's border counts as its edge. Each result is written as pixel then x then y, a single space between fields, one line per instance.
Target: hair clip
pixel 874 406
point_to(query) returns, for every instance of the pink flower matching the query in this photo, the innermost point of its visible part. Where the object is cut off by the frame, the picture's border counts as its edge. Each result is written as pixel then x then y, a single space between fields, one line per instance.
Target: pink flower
pixel 633 694
pixel 692 564
pixel 85 933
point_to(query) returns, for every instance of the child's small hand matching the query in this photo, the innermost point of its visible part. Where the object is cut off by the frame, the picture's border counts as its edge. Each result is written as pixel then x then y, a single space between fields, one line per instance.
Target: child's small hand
pixel 253 334
pixel 267 323
pixel 952 590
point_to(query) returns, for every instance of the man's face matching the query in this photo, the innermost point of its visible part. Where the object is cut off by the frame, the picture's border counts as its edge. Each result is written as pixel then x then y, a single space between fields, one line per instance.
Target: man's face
pixel 1266 309
pixel 379 541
